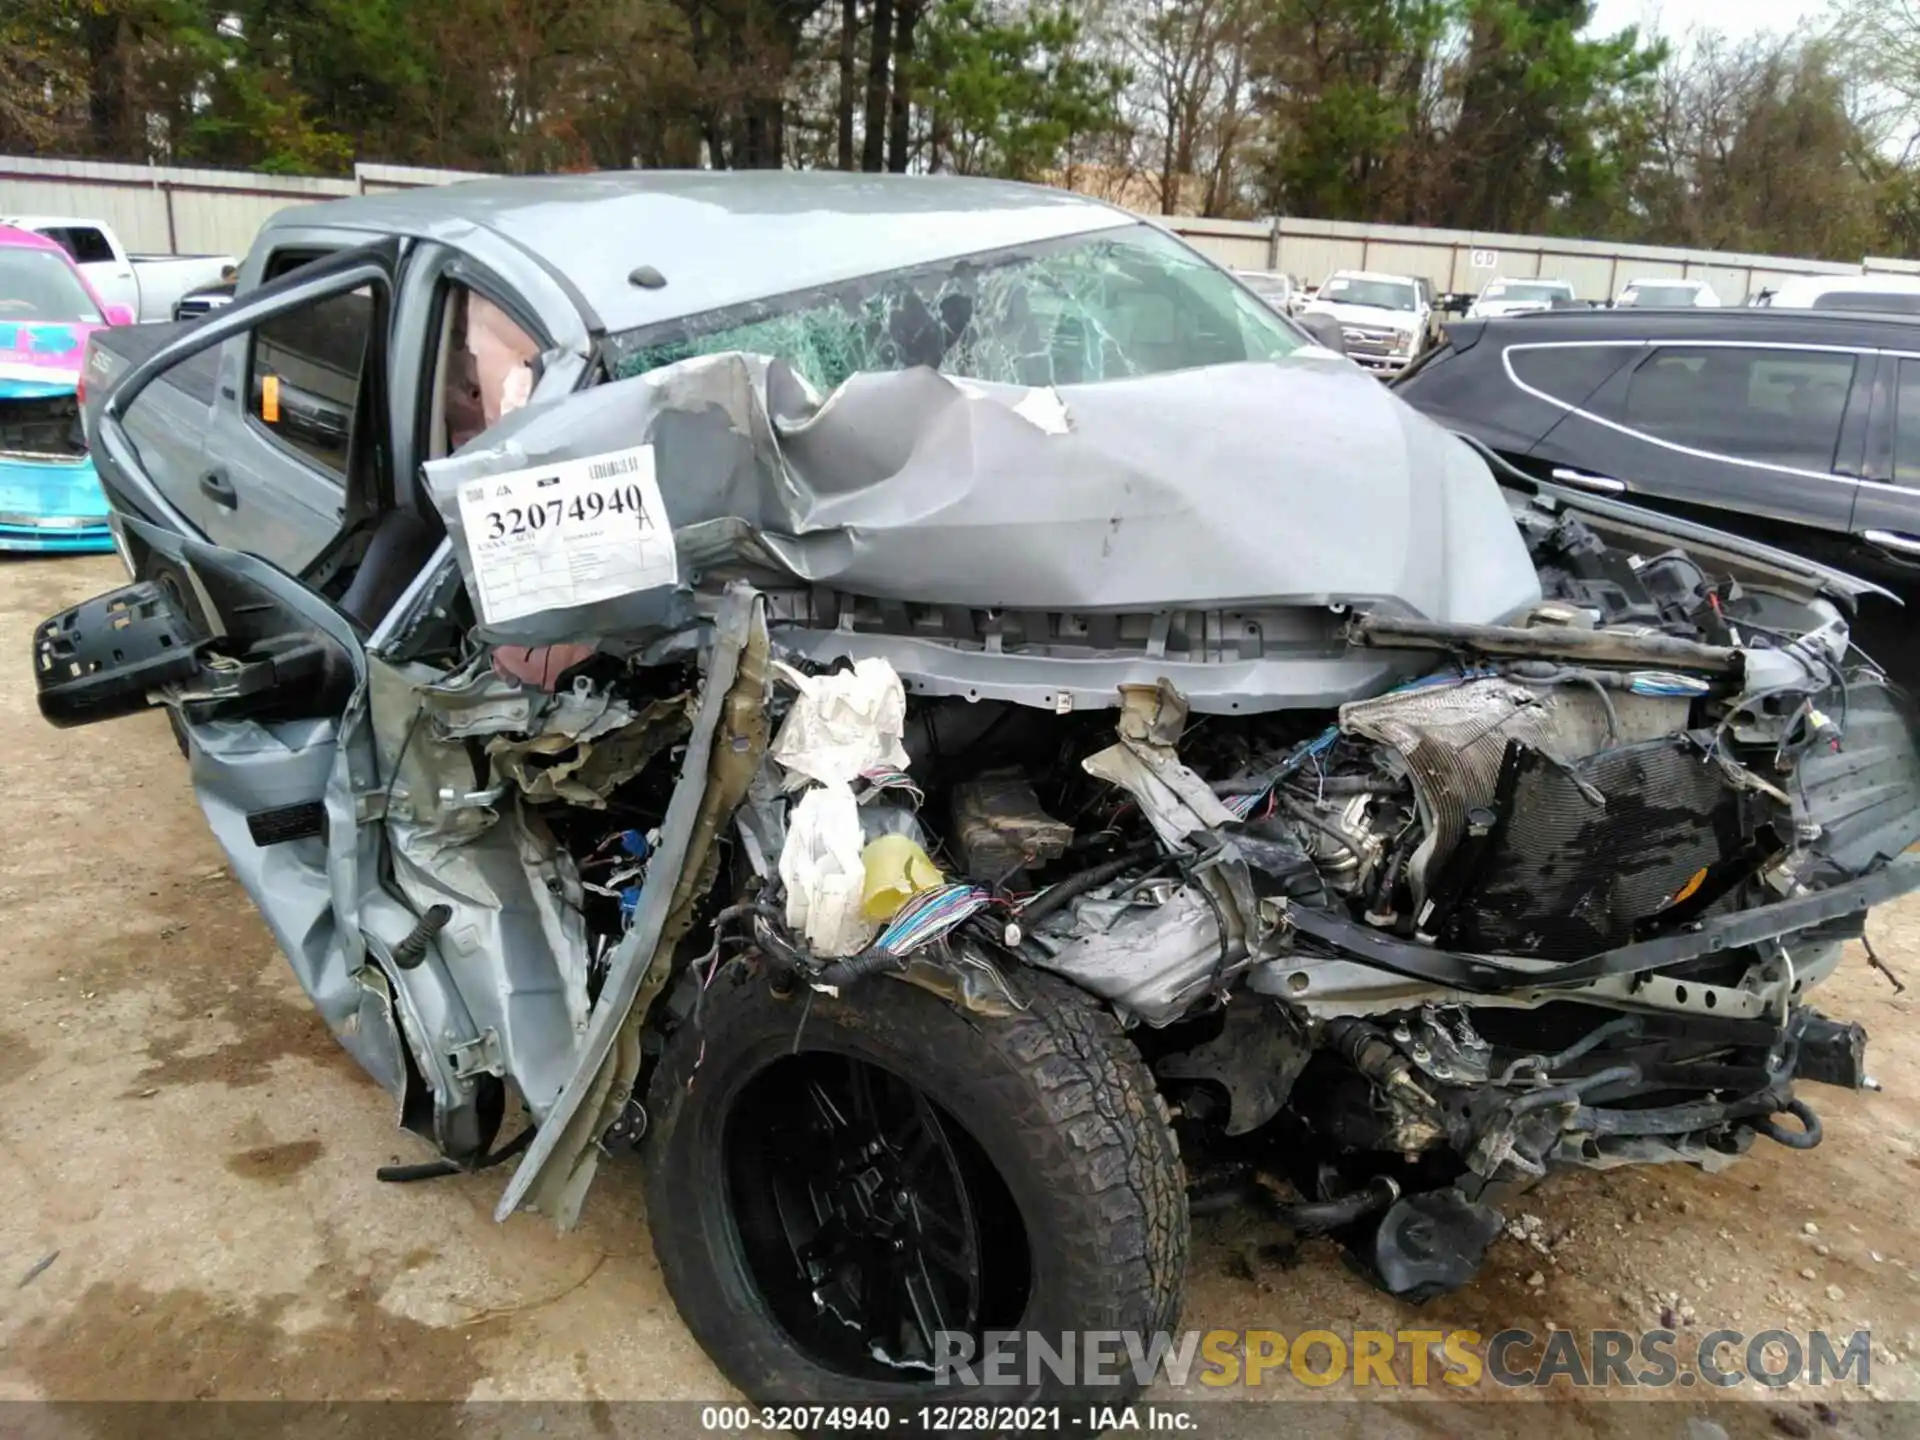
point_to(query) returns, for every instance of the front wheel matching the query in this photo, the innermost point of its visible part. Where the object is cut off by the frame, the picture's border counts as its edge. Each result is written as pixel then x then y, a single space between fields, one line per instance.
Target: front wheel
pixel 848 1194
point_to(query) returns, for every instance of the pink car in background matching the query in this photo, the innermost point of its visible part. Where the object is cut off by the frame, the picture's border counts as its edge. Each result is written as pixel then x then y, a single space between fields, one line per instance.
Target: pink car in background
pixel 50 498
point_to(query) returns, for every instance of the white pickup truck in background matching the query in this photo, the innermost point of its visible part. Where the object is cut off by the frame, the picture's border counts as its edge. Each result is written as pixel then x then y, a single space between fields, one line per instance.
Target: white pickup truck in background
pixel 148 285
pixel 1387 321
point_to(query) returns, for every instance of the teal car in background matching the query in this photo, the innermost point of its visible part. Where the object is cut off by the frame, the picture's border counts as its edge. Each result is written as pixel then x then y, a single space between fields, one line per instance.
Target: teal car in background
pixel 50 498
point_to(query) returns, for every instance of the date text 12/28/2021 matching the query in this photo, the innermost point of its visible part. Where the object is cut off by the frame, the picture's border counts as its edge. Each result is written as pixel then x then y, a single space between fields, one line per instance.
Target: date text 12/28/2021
pixel 956 1419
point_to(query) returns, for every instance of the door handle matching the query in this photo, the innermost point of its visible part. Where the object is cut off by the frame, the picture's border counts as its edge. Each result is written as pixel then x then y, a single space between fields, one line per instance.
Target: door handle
pixel 1605 484
pixel 217 488
pixel 1893 540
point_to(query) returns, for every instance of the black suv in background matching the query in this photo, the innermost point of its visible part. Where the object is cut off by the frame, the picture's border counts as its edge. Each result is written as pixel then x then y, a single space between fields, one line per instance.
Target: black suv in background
pixel 1798 428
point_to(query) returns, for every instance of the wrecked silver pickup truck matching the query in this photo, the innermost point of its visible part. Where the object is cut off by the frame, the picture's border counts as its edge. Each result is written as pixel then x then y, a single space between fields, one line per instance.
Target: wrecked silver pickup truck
pixel 964 755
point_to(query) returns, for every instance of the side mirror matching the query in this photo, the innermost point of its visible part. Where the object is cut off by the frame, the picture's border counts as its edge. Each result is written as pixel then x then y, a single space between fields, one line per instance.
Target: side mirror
pixel 1325 329
pixel 120 315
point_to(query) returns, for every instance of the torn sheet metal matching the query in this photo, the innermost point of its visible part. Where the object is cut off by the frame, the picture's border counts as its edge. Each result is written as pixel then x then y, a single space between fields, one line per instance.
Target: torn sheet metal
pixel 724 742
pixel 516 940
pixel 582 767
pixel 1206 488
pixel 1176 801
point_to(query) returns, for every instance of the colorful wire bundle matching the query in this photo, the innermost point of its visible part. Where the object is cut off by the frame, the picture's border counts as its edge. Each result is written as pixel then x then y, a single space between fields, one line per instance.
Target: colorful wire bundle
pixel 883 778
pixel 1662 682
pixel 1244 805
pixel 929 915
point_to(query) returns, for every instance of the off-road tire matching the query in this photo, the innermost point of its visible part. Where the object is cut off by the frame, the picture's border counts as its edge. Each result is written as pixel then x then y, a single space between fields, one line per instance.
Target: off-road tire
pixel 1056 1096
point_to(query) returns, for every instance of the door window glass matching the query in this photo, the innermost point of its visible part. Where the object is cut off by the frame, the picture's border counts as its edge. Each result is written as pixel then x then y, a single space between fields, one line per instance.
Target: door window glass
pixel 285 262
pixel 1783 407
pixel 87 245
pixel 1906 425
pixel 304 376
pixel 1567 373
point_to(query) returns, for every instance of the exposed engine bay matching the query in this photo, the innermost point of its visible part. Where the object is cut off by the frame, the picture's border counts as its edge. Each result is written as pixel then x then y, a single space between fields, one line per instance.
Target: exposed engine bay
pixel 1556 900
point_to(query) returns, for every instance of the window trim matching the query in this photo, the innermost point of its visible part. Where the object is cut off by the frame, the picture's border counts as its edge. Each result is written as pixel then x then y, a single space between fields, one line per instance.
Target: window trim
pixel 1572 407
pixel 1858 352
pixel 383 304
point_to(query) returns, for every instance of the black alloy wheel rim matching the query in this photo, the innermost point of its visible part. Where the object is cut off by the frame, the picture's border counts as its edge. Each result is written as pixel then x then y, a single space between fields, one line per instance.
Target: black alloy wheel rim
pixel 869 1220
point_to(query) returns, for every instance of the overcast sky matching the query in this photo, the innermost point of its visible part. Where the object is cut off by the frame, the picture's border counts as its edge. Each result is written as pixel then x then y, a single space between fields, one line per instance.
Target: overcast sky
pixel 1674 18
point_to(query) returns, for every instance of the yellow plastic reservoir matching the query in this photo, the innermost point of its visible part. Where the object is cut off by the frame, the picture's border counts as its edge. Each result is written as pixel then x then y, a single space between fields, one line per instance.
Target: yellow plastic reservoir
pixel 896 870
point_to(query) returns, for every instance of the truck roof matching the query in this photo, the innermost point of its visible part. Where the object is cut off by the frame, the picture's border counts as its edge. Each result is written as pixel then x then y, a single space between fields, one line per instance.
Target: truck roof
pixel 1372 275
pixel 721 238
pixel 1806 290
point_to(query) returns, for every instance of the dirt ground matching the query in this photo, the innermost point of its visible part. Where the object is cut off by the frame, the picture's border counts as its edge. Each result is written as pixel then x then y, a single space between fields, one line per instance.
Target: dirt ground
pixel 188 1206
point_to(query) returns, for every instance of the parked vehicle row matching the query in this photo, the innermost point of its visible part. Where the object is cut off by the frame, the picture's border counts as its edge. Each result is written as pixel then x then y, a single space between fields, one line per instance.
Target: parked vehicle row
pixel 147 285
pixel 1389 321
pixel 735 698
pixel 1878 292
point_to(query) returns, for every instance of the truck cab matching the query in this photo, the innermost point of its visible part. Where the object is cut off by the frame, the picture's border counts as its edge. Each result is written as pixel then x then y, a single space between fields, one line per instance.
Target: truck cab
pixel 1387 321
pixel 146 285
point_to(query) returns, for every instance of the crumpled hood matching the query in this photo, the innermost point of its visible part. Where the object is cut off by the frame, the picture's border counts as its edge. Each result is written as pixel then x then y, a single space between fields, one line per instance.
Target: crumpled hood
pixel 1375 315
pixel 1293 481
pixel 42 354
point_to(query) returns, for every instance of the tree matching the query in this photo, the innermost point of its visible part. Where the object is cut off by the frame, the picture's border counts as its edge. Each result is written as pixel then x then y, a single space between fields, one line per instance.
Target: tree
pixel 1346 94
pixel 1487 114
pixel 1192 91
pixel 1756 149
pixel 1007 97
pixel 39 73
pixel 843 97
pixel 1542 111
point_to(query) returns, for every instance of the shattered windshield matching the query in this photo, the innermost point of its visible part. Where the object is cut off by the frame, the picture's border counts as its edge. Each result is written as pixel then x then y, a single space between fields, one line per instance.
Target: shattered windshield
pixel 1062 312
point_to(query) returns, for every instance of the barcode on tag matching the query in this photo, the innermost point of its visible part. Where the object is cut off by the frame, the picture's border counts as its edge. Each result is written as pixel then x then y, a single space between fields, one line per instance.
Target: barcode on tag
pixel 619 465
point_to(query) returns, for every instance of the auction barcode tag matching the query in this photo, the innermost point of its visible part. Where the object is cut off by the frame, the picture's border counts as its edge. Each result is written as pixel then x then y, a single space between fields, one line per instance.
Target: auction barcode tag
pixel 568 533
